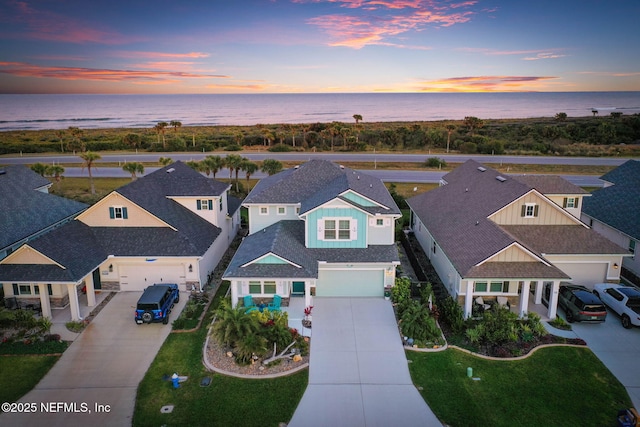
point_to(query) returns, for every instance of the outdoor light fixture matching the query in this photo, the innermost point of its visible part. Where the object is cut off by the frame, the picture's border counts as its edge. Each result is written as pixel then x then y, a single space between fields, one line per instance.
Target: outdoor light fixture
pixel 190 268
pixel 110 268
pixel 615 265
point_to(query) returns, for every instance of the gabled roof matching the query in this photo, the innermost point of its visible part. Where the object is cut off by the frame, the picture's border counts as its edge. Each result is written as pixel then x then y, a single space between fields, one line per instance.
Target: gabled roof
pixel 551 184
pixel 456 214
pixel 318 181
pixel 285 239
pixel 24 210
pixel 618 205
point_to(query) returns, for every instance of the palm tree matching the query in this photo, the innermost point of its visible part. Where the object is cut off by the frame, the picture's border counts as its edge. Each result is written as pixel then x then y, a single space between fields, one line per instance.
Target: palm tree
pixel 357 118
pixel 56 172
pixel 158 130
pixel 450 128
pixel 234 162
pixel 89 158
pixel 233 324
pixel 345 132
pixel 39 168
pixel 176 124
pixel 133 168
pixel 271 166
pixel 165 161
pixel 213 164
pixel 76 133
pixel 60 135
pixel 161 126
pixel 473 123
pixel 249 168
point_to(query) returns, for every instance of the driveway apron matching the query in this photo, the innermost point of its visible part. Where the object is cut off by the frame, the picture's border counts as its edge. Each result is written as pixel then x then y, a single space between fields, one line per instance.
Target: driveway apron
pixel 358 374
pixel 102 367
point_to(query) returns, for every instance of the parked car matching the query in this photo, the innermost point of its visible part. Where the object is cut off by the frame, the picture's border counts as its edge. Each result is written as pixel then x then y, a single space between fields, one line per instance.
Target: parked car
pixel 624 300
pixel 156 303
pixel 578 302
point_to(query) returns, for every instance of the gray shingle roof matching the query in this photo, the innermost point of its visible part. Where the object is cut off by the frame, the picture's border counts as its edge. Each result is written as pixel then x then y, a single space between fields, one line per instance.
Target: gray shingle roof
pixel 550 184
pixel 516 270
pixel 286 239
pixel 318 181
pixel 24 211
pixel 618 205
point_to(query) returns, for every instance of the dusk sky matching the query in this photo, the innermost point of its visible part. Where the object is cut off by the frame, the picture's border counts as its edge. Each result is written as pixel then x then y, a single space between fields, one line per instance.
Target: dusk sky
pixel 290 46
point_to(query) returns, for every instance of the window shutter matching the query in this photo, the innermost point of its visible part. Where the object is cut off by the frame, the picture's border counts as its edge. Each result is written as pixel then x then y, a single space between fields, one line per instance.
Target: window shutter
pixel 523 211
pixel 112 212
pixel 210 204
pixel 576 203
pixel 320 229
pixel 354 229
pixel 198 204
pixel 535 210
pixel 124 213
pixel 245 287
pixel 16 290
pixel 280 288
pixel 564 202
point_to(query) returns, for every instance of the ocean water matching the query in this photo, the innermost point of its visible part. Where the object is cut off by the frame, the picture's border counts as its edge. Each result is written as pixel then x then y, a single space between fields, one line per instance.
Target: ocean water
pixel 25 112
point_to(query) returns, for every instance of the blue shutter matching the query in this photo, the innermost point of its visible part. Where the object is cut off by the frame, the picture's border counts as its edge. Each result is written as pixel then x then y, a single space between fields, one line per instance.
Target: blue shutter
pixel 112 212
pixel 124 213
pixel 210 205
pixel 199 204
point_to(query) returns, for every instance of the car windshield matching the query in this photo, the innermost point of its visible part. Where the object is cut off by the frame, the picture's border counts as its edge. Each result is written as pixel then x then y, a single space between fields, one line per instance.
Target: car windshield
pixel 147 306
pixel 593 308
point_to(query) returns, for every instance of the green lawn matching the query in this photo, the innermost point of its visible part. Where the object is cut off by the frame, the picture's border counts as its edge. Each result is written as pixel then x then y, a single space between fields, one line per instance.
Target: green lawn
pixel 227 401
pixel 21 373
pixel 559 386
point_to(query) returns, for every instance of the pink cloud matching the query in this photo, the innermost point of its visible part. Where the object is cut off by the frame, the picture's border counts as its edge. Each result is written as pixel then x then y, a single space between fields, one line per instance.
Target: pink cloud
pixel 484 83
pixel 163 55
pixel 50 26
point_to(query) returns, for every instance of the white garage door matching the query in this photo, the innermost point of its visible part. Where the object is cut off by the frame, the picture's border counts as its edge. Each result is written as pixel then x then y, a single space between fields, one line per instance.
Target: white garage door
pixel 138 277
pixel 585 274
pixel 350 283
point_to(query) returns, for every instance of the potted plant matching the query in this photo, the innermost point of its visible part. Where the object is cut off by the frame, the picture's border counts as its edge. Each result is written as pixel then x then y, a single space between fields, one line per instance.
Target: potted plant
pixel 306 322
pixel 387 293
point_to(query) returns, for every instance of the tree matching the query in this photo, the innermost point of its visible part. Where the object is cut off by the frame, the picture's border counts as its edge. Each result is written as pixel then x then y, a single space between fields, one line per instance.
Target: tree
pixel 473 123
pixel 233 324
pixel 561 117
pixel 249 168
pixel 165 161
pixel 60 135
pixel 271 166
pixel 213 164
pixel 132 139
pixel 357 118
pixel 76 133
pixel 160 129
pixel 175 124
pixel 133 168
pixel 39 168
pixel 450 128
pixel 234 162
pixel 89 159
pixel 55 171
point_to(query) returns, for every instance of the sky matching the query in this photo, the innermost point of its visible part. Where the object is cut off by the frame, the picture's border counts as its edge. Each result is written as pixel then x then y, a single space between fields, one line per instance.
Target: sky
pixel 318 46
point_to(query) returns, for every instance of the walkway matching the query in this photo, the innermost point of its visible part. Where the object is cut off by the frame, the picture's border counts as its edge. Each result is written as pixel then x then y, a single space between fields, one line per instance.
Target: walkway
pixel 358 373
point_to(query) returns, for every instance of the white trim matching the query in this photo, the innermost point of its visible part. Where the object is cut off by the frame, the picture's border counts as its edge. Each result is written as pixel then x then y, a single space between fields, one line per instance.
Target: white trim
pixel 353 229
pixel 344 205
pixel 517 244
pixel 364 197
pixel 284 210
pixel 549 202
pixel 260 210
pixel 270 254
pixel 24 248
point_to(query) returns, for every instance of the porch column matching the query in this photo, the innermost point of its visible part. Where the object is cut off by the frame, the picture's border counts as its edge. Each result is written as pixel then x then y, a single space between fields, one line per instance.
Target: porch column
pixel 91 293
pixel 538 293
pixel 234 293
pixel 553 299
pixel 307 294
pixel 45 304
pixel 523 307
pixel 468 299
pixel 74 306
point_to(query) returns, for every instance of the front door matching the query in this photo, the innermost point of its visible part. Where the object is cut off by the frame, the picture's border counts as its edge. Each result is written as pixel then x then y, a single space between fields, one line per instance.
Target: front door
pixel 96 279
pixel 298 288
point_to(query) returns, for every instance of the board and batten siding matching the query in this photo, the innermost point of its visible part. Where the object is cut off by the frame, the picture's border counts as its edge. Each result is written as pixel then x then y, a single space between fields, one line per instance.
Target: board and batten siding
pixel 512 254
pixel 98 214
pixel 359 217
pixel 547 214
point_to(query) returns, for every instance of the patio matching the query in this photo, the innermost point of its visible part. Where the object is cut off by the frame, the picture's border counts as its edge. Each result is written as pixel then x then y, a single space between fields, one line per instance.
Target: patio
pixel 295 311
pixel 60 316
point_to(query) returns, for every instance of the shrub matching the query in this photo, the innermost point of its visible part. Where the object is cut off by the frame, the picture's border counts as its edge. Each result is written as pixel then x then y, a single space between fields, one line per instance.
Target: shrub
pixel 280 148
pixel 401 292
pixel 233 324
pixel 232 147
pixel 74 326
pixel 451 313
pixel 435 162
pixel 248 346
pixel 417 323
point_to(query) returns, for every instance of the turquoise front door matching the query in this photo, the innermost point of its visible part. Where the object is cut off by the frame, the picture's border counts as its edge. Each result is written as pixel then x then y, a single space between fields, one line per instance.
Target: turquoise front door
pixel 298 287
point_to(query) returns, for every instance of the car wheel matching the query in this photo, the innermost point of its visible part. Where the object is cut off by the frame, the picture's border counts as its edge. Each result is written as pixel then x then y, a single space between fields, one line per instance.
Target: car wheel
pixel 626 322
pixel 570 318
pixel 177 298
pixel 147 317
pixel 166 319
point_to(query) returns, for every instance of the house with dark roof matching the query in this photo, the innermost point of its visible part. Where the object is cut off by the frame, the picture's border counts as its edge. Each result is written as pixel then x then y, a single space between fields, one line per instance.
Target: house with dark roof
pixel 27 209
pixel 318 229
pixel 489 235
pixel 614 212
pixel 171 226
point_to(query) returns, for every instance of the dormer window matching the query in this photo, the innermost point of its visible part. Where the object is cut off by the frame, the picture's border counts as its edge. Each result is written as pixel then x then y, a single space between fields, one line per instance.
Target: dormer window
pixel 204 205
pixel 264 210
pixel 570 202
pixel 529 210
pixel 118 212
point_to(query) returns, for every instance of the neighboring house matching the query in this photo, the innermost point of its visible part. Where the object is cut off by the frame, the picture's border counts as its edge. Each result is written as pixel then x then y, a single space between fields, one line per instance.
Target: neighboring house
pixel 318 229
pixel 27 210
pixel 614 212
pixel 171 226
pixel 492 235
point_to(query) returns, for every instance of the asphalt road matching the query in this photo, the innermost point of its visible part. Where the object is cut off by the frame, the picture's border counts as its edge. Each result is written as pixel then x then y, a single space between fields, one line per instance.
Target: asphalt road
pixel 384 175
pixel 335 157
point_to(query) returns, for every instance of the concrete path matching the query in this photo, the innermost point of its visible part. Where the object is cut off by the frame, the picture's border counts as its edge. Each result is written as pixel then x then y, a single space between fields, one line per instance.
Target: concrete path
pixel 103 366
pixel 358 374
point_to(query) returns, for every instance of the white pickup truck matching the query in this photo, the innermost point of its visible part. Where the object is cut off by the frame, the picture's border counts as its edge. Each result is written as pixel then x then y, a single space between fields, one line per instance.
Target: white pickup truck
pixel 624 300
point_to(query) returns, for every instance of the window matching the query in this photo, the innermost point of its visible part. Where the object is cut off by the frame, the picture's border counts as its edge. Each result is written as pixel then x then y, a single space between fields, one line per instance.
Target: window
pixel 269 287
pixel 282 210
pixel 264 210
pixel 344 230
pixel 255 287
pixel 480 287
pixel 434 247
pixel 499 287
pixel 570 202
pixel 632 246
pixel 220 203
pixel 24 289
pixel 330 229
pixel 118 212
pixel 529 210
pixel 379 222
pixel 298 211
pixel 204 205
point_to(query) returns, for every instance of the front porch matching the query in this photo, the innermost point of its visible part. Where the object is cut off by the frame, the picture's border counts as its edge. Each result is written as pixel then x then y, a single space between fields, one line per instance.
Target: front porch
pixel 61 316
pixel 295 311
pixel 540 309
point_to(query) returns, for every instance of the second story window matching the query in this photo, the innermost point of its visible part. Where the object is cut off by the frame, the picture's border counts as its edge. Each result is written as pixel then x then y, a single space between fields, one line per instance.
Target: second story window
pixel 282 210
pixel 529 210
pixel 204 205
pixel 118 212
pixel 264 210
pixel 338 229
pixel 570 202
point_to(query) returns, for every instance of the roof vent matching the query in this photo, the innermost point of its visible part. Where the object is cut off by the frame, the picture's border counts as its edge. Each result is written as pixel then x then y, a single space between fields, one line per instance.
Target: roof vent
pixel 296 166
pixel 341 167
pixel 501 178
pixel 466 190
pixel 170 170
pixel 481 168
pixel 477 222
pixel 358 177
pixel 3 171
pixel 370 185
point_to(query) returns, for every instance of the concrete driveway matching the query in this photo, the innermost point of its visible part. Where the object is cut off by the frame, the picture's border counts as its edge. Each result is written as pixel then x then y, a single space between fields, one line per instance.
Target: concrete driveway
pixel 358 372
pixel 102 367
pixel 617 348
